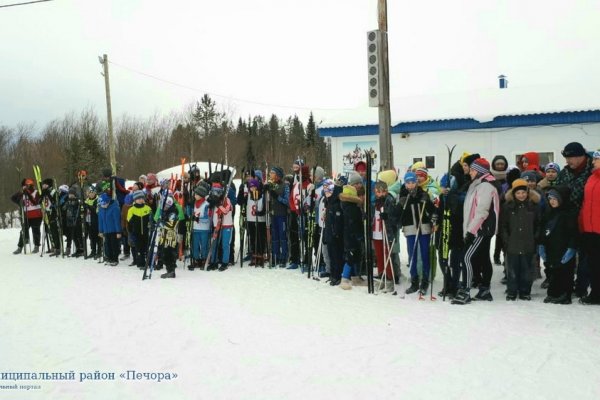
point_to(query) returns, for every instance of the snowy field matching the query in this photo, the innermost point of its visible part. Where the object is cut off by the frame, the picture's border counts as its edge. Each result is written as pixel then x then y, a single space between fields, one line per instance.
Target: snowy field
pixel 273 334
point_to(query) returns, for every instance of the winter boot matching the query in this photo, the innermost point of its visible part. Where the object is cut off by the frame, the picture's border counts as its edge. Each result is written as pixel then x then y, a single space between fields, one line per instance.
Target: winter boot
pixel 19 250
pixel 213 267
pixel 358 281
pixel 526 297
pixel 423 287
pixel 483 294
pixel 511 297
pixel 168 275
pixel 125 257
pixel 562 299
pixel 462 297
pixel 346 284
pixel 292 266
pixel 193 264
pixel 223 267
pixel 253 262
pixel 36 249
pixel 414 286
pixel 545 284
pixel 588 300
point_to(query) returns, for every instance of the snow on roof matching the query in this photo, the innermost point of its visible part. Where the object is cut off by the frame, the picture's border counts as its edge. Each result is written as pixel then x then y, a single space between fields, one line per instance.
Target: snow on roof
pixel 481 105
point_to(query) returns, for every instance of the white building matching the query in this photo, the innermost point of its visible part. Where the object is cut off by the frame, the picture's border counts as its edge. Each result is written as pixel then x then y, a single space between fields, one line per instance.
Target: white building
pixel 509 122
pixel 510 136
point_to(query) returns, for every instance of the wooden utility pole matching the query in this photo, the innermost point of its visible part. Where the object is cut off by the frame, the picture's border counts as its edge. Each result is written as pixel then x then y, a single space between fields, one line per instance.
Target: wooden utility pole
pixel 386 152
pixel 111 138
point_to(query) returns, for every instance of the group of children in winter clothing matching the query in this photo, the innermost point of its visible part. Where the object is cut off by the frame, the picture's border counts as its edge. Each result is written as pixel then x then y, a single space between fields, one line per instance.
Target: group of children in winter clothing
pixel 304 218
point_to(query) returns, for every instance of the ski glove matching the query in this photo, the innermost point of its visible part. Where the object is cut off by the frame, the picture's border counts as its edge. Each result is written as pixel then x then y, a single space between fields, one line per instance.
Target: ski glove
pixel 469 239
pixel 569 254
pixel 383 215
pixel 542 252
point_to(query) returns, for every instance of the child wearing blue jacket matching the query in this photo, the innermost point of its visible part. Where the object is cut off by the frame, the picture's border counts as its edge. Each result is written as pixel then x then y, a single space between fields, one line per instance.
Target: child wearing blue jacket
pixel 109 228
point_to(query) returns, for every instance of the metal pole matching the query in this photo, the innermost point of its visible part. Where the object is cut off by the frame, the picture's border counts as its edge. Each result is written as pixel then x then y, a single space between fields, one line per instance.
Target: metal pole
pixel 386 151
pixel 111 139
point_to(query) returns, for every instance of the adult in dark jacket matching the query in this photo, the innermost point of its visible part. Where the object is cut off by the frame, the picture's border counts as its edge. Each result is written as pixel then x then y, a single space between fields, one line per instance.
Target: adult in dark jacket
pixel 353 233
pixel 575 175
pixel 589 226
pixel 558 241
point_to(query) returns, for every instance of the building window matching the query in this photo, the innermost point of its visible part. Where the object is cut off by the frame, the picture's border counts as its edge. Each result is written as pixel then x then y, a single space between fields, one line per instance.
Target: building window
pixel 545 158
pixel 430 162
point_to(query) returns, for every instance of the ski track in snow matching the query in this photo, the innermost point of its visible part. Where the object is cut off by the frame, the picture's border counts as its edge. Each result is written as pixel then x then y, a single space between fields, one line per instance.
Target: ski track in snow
pixel 274 334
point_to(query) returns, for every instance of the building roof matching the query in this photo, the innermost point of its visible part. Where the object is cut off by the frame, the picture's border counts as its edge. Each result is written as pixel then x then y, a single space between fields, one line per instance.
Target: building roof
pixel 501 121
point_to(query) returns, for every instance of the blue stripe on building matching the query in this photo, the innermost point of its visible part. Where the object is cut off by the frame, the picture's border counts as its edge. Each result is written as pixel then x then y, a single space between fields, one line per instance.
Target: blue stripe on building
pixel 506 121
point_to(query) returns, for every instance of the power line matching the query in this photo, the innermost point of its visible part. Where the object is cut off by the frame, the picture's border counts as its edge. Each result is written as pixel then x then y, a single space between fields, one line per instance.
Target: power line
pixel 23 4
pixel 227 97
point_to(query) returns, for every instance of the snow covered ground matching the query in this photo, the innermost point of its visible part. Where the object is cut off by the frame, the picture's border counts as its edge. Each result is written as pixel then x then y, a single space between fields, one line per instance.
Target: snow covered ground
pixel 273 334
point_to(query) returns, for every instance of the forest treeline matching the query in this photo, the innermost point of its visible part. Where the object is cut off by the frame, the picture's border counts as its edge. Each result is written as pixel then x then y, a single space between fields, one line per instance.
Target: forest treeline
pixel 79 141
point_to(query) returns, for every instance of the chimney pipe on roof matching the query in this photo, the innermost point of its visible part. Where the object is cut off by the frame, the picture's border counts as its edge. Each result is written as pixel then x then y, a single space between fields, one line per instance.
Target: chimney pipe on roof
pixel 503 81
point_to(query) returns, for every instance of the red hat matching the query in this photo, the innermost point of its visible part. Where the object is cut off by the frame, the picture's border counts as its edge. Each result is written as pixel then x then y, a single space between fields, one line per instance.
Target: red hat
pixel 481 165
pixel 217 185
pixel 360 166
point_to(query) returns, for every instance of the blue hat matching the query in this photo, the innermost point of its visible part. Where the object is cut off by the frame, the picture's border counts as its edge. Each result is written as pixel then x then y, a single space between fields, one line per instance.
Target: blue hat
pixel 104 199
pixel 138 194
pixel 552 165
pixel 410 177
pixel 278 171
pixel 258 174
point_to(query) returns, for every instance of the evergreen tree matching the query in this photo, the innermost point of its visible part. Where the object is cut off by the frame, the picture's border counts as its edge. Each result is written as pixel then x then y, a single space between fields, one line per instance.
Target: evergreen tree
pixel 206 117
pixel 311 132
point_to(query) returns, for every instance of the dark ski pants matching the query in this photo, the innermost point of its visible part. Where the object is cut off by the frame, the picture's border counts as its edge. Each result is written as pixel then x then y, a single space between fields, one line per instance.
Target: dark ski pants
pixel 94 242
pixel 279 241
pixel 294 239
pixel 583 280
pixel 75 236
pixel 111 247
pixel 498 247
pixel 54 236
pixel 423 248
pixel 169 257
pixel 457 256
pixel 125 244
pixel 257 232
pixel 139 248
pixel 591 243
pixel 519 274
pixel 477 261
pixel 336 256
pixel 34 224
pixel 560 280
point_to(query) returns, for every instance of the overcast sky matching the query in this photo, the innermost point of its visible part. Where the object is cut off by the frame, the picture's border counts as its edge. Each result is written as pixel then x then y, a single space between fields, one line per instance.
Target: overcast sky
pixel 290 56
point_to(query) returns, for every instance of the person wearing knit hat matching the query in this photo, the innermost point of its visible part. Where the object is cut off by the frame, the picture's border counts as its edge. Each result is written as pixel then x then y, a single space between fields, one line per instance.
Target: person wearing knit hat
pixel 137 222
pixel 417 218
pixel 201 227
pixel 384 228
pixel 353 228
pixel 279 198
pixel 333 231
pixel 328 186
pixel 388 176
pixel 410 177
pixel 481 213
pixel 360 167
pixel 481 166
pixel 278 172
pixel 468 160
pixel 256 223
pixel 558 240
pixel 354 179
pixel 520 224
pixel 573 149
